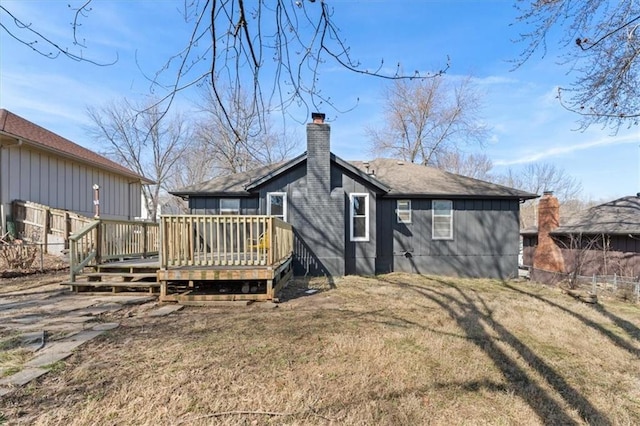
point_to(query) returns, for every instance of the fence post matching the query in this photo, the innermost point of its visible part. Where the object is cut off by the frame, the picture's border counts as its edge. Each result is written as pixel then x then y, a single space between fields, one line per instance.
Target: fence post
pixel 45 229
pixel 615 281
pixel 67 229
pixel 593 285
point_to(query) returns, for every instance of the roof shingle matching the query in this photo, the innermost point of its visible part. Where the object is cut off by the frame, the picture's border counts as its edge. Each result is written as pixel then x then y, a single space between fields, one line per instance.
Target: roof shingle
pixel 617 217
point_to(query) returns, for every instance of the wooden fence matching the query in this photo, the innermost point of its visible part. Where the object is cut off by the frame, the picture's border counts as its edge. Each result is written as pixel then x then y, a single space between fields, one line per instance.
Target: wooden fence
pixel 102 240
pixel 35 222
pixel 205 240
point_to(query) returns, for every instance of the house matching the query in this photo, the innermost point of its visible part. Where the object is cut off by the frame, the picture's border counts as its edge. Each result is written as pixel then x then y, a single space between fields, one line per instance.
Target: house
pixel 603 240
pixel 39 166
pixel 374 217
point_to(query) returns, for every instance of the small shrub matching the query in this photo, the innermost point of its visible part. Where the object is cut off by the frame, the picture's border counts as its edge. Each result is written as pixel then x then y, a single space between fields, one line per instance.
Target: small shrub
pixel 16 255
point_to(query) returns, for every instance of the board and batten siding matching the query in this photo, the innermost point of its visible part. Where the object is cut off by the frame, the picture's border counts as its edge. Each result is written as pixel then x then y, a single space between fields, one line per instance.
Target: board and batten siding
pixel 485 239
pixel 61 183
pixel 211 205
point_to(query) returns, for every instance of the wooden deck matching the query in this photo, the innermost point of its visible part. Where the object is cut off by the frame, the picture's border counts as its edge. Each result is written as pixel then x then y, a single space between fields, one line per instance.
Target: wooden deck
pixel 223 283
pixel 195 259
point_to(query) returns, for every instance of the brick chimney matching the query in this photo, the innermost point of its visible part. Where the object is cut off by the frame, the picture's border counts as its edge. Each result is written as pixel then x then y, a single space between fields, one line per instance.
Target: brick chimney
pixel 547 255
pixel 319 216
pixel 318 156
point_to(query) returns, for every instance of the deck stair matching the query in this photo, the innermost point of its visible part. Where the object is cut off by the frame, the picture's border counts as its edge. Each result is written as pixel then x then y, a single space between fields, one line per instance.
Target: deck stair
pixel 132 276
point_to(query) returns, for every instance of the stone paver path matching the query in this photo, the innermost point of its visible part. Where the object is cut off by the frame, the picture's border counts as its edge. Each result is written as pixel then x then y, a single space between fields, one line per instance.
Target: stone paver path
pixel 30 319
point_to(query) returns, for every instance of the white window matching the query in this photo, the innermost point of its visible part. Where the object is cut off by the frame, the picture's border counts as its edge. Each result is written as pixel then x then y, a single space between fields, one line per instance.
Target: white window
pixel 359 215
pixel 230 206
pixel 277 205
pixel 442 220
pixel 403 211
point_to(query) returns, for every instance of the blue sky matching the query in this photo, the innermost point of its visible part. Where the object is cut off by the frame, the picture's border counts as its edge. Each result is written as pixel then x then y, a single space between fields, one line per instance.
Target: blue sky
pixel 528 124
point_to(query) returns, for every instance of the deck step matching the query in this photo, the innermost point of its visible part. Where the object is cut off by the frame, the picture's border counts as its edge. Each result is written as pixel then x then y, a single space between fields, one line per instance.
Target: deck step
pixel 138 284
pixel 119 274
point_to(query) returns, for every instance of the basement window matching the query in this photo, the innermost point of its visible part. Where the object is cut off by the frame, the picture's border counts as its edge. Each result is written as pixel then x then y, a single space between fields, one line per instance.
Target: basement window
pixel 359 216
pixel 230 206
pixel 403 211
pixel 277 205
pixel 442 220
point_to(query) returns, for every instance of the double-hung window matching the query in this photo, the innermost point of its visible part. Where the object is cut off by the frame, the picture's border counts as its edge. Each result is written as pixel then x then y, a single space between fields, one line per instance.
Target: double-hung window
pixel 277 205
pixel 403 211
pixel 359 216
pixel 442 220
pixel 230 206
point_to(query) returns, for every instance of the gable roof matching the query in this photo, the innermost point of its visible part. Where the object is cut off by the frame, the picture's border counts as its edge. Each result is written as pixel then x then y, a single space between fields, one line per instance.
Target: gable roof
pixel 617 217
pixel 392 177
pixel 16 127
pixel 301 158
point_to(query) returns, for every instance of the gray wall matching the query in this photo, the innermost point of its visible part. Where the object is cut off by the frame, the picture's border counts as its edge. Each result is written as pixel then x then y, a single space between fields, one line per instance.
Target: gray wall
pixel 45 178
pixel 484 244
pixel 320 221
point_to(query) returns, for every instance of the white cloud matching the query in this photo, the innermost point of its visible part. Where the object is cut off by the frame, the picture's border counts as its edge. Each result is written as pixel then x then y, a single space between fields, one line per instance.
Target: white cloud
pixel 556 151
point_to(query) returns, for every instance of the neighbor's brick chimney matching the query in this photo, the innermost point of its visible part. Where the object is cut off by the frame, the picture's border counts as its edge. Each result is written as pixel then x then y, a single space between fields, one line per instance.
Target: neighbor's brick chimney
pixel 547 255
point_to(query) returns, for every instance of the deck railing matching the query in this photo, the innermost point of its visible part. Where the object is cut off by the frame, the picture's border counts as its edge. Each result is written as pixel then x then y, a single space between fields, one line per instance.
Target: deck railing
pixel 103 240
pixel 205 240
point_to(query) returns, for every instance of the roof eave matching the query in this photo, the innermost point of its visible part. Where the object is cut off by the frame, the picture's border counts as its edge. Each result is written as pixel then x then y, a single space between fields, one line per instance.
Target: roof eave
pixel 460 196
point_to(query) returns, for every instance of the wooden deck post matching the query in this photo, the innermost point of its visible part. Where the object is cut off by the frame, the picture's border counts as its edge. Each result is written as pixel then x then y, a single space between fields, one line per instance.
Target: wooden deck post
pixel 98 242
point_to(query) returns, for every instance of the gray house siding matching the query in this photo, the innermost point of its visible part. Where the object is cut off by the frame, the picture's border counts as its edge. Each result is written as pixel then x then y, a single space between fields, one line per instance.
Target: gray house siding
pixel 484 244
pixel 211 205
pixel 360 256
pixel 322 244
pixel 44 178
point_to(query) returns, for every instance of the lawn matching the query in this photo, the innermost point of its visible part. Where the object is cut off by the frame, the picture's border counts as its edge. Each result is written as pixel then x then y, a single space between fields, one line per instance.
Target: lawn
pixel 396 349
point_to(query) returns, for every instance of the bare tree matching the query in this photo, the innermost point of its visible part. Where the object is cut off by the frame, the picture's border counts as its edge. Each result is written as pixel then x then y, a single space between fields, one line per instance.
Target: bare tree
pixel 601 42
pixel 148 142
pixel 249 140
pixel 273 50
pixel 539 177
pixel 477 166
pixel 424 119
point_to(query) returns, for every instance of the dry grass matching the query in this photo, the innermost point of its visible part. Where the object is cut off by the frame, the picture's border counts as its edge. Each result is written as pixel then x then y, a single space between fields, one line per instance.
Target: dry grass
pixel 392 350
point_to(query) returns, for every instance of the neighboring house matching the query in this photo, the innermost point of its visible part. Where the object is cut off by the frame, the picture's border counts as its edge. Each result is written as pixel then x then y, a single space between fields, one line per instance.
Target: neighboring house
pixel 374 217
pixel 603 240
pixel 38 165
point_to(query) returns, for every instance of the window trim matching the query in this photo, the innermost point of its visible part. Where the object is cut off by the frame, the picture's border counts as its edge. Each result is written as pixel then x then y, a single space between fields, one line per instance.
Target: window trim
pixel 433 220
pixel 407 211
pixel 352 216
pixel 284 203
pixel 227 211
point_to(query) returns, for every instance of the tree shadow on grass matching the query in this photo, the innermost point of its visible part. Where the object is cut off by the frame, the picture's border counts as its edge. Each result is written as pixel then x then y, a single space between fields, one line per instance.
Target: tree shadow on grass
pixel 470 316
pixel 631 329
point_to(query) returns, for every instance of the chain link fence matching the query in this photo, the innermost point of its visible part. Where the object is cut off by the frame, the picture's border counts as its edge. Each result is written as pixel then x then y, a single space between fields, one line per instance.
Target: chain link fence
pixel 614 286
